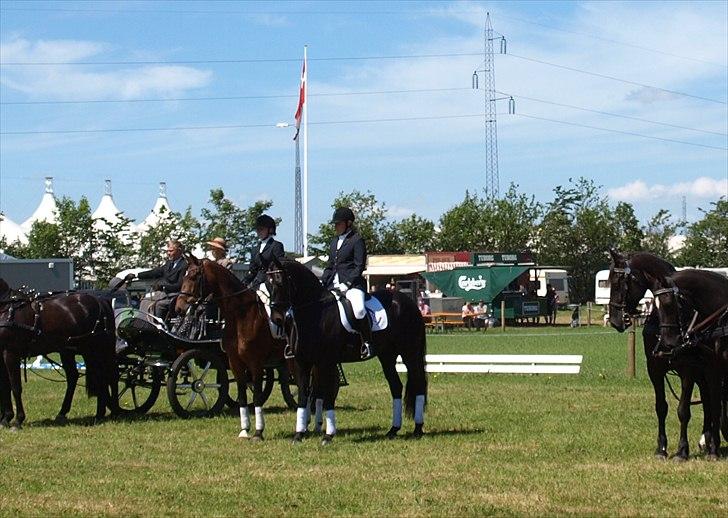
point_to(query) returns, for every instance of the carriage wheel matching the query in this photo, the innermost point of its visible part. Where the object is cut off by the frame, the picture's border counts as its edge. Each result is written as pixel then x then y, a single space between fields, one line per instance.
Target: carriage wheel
pixel 268 380
pixel 289 388
pixel 139 385
pixel 197 384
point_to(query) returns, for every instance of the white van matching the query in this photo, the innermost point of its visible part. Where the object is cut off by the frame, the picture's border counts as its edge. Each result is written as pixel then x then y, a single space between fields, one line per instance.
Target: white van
pixel 559 279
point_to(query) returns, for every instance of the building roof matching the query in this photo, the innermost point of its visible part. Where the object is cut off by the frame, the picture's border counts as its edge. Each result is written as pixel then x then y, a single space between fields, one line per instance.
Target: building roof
pixel 46 210
pixel 11 231
pixel 395 264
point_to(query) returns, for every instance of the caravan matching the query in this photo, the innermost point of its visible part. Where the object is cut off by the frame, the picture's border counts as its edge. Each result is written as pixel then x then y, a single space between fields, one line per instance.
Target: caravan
pixel 557 278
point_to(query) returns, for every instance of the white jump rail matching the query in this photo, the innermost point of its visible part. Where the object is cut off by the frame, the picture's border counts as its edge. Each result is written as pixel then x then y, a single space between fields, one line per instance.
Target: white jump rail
pixel 501 363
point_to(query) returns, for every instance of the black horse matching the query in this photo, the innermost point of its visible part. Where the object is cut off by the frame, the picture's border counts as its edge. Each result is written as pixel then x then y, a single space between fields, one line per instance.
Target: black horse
pixel 69 324
pixel 310 315
pixel 628 284
pixel 693 306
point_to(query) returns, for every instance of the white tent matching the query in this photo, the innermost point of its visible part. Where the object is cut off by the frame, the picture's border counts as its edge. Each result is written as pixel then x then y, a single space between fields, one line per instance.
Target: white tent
pixel 107 209
pixel 161 206
pixel 11 231
pixel 46 210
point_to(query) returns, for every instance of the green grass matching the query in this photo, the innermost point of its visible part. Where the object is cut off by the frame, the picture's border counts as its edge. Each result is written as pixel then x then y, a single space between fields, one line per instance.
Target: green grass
pixel 495 444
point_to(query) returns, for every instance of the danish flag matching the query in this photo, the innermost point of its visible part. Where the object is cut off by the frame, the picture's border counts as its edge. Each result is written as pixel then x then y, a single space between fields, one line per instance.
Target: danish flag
pixel 301 100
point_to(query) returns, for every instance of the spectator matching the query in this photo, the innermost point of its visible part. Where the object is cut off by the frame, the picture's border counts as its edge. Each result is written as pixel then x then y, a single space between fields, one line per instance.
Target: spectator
pixel 424 310
pixel 551 300
pixel 481 315
pixel 468 313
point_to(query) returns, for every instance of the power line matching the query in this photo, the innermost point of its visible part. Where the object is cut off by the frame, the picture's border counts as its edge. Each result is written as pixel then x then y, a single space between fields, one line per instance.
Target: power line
pixel 613 78
pixel 228 61
pixel 235 97
pixel 354 121
pixel 579 125
pixel 615 114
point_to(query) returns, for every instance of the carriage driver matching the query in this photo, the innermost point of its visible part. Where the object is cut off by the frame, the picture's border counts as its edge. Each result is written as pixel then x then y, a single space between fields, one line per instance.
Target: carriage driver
pixel 263 253
pixel 347 261
pixel 169 276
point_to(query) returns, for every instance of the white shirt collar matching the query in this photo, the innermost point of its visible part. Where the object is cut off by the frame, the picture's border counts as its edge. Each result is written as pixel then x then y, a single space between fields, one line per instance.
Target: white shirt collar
pixel 265 242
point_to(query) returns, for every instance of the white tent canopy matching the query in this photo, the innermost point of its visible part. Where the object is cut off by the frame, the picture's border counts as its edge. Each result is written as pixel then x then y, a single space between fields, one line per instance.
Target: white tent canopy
pixel 46 210
pixel 161 206
pixel 107 209
pixel 11 231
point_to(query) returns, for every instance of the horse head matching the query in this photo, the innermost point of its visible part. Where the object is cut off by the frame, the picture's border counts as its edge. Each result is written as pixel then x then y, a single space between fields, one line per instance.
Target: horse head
pixel 624 291
pixel 193 284
pixel 672 309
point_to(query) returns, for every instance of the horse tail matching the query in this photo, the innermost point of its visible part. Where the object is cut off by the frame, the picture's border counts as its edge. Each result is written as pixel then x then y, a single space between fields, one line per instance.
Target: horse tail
pixel 416 372
pixel 103 369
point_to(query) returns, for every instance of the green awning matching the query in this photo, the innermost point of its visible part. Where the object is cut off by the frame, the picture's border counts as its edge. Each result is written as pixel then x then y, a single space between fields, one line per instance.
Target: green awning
pixel 475 282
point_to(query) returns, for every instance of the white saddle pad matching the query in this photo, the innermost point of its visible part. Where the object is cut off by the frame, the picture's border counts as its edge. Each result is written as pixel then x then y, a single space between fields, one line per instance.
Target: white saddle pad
pixel 375 309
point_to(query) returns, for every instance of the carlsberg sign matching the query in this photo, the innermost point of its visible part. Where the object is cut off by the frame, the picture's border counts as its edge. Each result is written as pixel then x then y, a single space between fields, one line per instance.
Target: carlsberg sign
pixel 470 283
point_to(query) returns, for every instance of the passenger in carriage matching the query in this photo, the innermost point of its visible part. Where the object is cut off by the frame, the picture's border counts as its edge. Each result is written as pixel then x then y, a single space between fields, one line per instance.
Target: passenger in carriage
pixel 347 261
pixel 219 250
pixel 263 253
pixel 169 276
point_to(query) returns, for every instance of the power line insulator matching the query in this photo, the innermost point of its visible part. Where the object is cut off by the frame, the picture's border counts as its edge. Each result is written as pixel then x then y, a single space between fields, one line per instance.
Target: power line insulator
pixel 503 45
pixel 475 80
pixel 511 106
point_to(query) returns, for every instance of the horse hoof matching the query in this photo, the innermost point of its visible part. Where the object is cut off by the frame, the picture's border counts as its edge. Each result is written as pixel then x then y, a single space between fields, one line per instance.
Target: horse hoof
pixel 257 436
pixel 418 433
pixel 680 458
pixel 61 419
pixel 392 433
pixel 661 455
pixel 243 434
pixel 15 428
pixel 297 438
pixel 711 457
pixel 326 440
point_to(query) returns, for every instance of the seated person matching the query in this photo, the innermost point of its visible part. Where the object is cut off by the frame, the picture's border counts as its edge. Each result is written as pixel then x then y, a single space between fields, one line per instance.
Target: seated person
pixel 169 276
pixel 424 310
pixel 481 315
pixel 468 313
pixel 219 250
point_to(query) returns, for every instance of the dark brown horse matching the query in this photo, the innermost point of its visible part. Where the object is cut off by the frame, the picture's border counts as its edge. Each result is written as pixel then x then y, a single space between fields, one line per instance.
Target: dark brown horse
pixel 247 339
pixel 68 324
pixel 693 305
pixel 628 284
pixel 310 315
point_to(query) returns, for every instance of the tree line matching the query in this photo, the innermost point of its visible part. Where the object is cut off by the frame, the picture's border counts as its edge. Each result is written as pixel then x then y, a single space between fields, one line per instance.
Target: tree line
pixel 572 230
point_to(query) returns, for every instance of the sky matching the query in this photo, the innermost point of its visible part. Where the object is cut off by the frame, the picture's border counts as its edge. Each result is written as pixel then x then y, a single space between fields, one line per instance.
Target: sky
pixel 422 165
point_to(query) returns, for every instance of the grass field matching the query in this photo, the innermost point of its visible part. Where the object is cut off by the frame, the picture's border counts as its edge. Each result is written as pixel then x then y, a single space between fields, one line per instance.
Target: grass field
pixel 495 444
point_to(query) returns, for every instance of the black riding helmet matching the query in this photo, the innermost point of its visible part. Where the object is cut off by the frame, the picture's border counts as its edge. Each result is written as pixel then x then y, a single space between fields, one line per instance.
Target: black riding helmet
pixel 342 214
pixel 265 221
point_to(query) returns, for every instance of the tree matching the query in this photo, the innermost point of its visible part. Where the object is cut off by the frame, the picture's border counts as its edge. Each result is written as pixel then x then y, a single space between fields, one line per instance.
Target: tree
pixel 658 232
pixel 412 235
pixel 237 225
pixel 370 222
pixel 463 227
pixel 629 233
pixel 171 225
pixel 706 241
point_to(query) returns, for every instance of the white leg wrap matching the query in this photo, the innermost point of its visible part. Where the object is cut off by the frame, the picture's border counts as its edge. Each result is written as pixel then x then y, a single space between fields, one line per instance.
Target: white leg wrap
pixel 419 409
pixel 319 414
pixel 397 413
pixel 301 420
pixel 244 421
pixel 330 422
pixel 259 420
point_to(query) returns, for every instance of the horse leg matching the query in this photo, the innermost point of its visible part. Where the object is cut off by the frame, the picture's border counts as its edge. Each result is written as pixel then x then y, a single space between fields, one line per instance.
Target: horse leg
pixel 713 382
pixel 388 364
pixel 318 402
pixel 303 380
pixel 683 413
pixel 68 362
pixel 12 362
pixel 6 403
pixel 257 375
pixel 657 377
pixel 724 409
pixel 239 372
pixel 329 387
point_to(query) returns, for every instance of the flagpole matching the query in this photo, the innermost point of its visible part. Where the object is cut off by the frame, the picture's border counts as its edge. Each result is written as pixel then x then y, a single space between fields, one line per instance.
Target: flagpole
pixel 305 154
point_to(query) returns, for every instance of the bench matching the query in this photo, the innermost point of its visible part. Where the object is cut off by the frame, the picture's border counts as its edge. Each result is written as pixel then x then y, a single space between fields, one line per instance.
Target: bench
pixel 442 321
pixel 501 363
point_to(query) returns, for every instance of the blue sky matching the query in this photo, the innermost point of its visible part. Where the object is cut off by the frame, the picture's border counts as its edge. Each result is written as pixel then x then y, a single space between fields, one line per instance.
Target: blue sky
pixel 419 166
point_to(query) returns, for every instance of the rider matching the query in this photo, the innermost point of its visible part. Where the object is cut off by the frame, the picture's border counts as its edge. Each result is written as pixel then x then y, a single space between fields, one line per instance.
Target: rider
pixel 170 276
pixel 263 253
pixel 347 261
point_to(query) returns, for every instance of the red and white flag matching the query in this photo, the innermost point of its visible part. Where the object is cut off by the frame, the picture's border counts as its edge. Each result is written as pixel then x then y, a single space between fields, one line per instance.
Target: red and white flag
pixel 301 99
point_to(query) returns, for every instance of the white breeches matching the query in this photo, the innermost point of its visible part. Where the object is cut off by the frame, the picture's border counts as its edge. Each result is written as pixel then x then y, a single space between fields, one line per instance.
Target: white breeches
pixel 356 297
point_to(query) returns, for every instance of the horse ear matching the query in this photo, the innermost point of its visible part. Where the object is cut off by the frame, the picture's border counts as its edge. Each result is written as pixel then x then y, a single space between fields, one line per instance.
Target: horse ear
pixel 192 258
pixel 616 256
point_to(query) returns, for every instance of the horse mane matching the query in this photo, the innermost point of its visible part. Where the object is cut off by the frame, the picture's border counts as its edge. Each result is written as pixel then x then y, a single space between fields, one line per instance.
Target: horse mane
pixel 305 279
pixel 225 272
pixel 646 261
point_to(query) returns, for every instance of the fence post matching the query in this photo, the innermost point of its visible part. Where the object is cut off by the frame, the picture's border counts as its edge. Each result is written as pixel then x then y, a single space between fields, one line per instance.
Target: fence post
pixel 588 313
pixel 503 315
pixel 631 351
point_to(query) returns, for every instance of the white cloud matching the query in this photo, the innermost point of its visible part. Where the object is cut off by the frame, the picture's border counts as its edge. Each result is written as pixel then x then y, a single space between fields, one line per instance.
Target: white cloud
pixel 74 82
pixel 397 212
pixel 702 187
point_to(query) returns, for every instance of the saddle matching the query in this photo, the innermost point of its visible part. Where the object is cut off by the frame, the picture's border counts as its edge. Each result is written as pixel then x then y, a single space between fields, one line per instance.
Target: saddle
pixel 377 313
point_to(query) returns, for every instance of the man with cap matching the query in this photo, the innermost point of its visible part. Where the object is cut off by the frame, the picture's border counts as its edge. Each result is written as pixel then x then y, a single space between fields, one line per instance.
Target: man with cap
pixel 263 253
pixel 347 261
pixel 218 248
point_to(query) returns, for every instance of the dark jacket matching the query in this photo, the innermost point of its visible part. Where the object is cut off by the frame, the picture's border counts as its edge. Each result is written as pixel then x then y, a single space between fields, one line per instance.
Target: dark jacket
pixel 349 262
pixel 170 275
pixel 260 261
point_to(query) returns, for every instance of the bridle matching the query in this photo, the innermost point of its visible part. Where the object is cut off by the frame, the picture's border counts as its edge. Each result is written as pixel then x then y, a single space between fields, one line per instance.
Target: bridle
pixel 624 274
pixel 198 291
pixel 677 298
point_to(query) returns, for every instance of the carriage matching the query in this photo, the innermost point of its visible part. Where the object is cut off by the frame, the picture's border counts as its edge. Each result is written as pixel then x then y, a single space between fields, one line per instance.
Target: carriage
pixel 185 355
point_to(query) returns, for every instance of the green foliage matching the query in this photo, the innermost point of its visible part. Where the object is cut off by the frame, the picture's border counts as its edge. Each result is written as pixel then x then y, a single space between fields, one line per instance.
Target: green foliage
pixel 171 225
pixel 706 242
pixel 657 234
pixel 412 235
pixel 629 232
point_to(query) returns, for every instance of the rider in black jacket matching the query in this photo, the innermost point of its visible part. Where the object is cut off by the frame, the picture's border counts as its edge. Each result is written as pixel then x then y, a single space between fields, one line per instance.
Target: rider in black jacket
pixel 263 253
pixel 170 276
pixel 347 262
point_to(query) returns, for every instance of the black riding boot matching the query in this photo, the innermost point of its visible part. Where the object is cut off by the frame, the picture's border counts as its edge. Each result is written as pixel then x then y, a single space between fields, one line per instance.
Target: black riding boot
pixel 364 328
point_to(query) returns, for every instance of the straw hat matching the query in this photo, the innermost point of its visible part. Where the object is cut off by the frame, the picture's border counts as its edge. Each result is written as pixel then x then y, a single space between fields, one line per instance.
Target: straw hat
pixel 219 243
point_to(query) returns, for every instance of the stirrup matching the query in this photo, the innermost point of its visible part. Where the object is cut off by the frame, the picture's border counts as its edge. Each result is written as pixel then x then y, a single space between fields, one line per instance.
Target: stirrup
pixel 365 351
pixel 288 353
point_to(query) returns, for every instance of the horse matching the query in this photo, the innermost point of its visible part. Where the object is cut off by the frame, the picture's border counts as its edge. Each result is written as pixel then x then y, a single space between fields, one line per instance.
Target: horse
pixel 247 338
pixel 68 324
pixel 310 317
pixel 628 284
pixel 691 305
